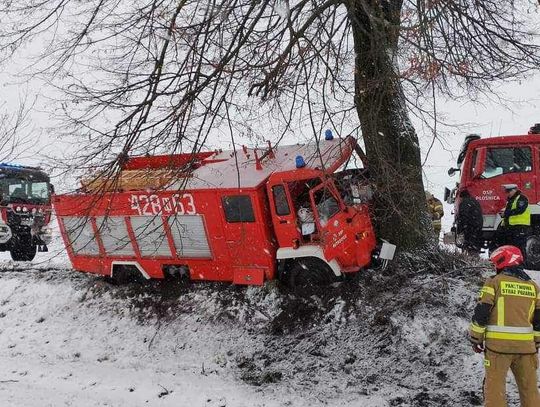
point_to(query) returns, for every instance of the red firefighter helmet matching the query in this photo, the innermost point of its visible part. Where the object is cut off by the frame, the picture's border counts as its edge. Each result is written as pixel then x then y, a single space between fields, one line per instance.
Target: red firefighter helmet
pixel 506 256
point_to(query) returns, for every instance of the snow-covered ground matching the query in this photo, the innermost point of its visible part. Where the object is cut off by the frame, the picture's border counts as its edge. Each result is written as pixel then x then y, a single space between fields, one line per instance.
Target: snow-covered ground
pixel 70 339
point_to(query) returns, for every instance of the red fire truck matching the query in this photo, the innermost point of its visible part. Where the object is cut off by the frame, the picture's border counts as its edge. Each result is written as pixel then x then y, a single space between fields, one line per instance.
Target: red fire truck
pixel 486 164
pixel 245 216
pixel 25 208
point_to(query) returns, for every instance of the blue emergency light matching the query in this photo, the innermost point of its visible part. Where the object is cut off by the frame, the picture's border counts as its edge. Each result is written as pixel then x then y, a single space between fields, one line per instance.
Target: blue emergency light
pixel 6 165
pixel 18 166
pixel 328 136
pixel 300 163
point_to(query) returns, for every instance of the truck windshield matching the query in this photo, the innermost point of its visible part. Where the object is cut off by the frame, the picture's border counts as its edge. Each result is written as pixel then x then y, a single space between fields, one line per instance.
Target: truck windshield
pixel 16 190
pixel 353 185
pixel 501 161
pixel 326 203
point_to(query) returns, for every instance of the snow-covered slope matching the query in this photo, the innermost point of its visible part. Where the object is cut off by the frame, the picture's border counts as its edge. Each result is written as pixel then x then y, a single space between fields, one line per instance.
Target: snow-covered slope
pixel 388 339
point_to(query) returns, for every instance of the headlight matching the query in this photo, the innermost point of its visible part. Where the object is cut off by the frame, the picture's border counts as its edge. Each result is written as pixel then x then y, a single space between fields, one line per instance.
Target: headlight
pixel 46 235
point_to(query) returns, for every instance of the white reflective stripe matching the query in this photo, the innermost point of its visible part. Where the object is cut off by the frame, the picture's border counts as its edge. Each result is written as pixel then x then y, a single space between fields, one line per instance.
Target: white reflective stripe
pixel 510 329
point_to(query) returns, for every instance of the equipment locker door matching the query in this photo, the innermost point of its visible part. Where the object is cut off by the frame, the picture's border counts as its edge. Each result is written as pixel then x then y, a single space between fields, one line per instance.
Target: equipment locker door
pixel 242 233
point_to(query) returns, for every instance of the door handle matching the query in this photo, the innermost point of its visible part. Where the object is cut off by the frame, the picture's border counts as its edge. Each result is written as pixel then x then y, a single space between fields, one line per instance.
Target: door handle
pixel 282 221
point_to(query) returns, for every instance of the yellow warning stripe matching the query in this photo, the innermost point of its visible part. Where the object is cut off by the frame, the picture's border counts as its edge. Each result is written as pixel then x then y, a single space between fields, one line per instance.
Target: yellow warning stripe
pixel 500 311
pixel 510 336
pixel 477 328
pixel 531 311
pixel 487 290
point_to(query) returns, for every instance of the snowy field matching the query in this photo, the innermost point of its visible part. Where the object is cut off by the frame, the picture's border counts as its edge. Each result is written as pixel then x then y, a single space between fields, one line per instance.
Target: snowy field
pixel 70 339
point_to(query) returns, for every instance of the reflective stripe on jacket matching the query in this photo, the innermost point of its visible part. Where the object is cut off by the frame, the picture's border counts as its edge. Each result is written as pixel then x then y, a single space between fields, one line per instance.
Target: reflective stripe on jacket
pixel 518 211
pixel 507 316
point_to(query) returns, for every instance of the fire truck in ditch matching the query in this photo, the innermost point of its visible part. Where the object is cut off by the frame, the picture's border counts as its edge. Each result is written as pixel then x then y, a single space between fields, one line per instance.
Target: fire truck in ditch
pixel 25 211
pixel 296 212
pixel 486 164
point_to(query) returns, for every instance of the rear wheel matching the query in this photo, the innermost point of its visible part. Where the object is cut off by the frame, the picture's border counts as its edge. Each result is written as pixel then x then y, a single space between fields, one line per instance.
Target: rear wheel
pixel 23 249
pixel 307 272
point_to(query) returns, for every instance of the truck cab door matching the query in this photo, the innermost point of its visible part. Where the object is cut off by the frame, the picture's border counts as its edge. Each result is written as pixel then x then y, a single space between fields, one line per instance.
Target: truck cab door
pixel 283 216
pixel 336 234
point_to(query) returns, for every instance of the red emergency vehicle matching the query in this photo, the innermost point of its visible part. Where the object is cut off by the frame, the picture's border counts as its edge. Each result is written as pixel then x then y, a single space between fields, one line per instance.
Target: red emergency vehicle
pixel 486 164
pixel 241 216
pixel 25 209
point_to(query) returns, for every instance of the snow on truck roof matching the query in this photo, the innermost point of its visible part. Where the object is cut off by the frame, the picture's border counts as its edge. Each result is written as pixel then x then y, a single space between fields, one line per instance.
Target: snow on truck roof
pixel 253 166
pixel 241 168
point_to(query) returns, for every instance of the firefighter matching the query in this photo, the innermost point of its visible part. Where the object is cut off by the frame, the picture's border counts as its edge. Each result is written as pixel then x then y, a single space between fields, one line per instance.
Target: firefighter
pixel 506 327
pixel 435 208
pixel 516 222
pixel 469 222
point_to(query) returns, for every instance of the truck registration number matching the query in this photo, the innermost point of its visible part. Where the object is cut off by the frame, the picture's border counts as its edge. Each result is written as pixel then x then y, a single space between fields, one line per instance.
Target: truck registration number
pixel 151 205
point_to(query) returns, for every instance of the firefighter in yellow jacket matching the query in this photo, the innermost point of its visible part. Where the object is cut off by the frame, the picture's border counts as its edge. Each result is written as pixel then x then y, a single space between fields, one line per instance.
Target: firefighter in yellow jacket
pixel 436 210
pixel 506 327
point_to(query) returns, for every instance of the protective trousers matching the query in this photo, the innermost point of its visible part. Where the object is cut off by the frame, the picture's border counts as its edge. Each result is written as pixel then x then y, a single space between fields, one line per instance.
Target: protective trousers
pixel 524 369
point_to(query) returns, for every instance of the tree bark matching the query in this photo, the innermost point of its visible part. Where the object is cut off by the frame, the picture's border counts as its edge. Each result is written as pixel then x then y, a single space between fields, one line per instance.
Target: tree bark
pixel 391 142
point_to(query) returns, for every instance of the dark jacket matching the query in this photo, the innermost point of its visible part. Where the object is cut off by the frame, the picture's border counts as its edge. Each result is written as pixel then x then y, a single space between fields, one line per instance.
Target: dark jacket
pixel 469 216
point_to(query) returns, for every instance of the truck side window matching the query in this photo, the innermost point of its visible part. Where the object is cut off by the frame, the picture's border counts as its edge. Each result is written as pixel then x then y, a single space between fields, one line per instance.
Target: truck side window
pixel 238 208
pixel 501 161
pixel 280 200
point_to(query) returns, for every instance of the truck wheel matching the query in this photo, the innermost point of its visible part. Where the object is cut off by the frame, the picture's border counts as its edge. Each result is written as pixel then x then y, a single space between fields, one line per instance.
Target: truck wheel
pixel 307 272
pixel 533 253
pixel 24 252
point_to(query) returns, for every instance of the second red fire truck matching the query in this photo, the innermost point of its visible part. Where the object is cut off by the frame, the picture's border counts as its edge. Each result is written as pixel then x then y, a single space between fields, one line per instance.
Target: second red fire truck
pixel 25 211
pixel 298 212
pixel 486 164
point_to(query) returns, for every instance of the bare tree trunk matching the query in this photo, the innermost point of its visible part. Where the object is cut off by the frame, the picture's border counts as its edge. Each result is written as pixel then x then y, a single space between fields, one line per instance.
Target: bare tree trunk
pixel 391 142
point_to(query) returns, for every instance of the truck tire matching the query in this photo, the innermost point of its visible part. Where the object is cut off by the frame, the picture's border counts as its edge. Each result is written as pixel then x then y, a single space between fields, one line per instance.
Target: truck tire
pixel 307 272
pixel 24 251
pixel 533 253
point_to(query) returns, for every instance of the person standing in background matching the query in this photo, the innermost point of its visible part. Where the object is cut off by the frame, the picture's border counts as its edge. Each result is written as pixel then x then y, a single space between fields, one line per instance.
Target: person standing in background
pixel 515 227
pixel 436 210
pixel 469 222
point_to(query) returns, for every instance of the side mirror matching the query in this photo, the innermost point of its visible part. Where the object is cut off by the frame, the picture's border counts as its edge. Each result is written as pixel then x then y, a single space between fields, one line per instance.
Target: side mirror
pixel 452 171
pixel 480 163
pixel 51 188
pixel 447 193
pixel 450 195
